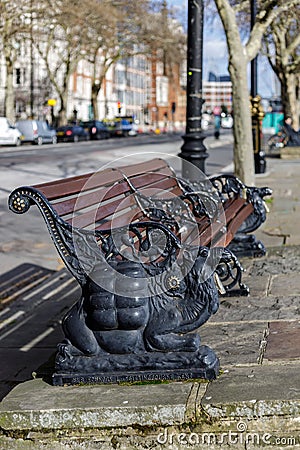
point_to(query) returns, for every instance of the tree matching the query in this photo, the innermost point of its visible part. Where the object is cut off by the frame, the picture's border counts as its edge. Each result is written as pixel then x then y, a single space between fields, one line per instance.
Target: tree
pixel 240 54
pixel 282 47
pixel 163 33
pixel 113 32
pixel 165 43
pixel 121 29
pixel 60 40
pixel 15 23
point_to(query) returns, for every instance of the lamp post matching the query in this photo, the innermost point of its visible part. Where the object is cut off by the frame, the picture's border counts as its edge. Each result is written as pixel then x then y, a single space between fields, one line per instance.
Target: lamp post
pixel 257 112
pixel 193 152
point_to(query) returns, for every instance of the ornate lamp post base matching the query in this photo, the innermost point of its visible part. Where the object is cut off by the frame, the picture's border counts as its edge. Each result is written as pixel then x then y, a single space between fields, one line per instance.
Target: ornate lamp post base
pixel 194 154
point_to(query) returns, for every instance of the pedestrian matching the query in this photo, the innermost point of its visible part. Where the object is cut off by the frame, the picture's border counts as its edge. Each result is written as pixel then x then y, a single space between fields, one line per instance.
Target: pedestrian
pixel 217 117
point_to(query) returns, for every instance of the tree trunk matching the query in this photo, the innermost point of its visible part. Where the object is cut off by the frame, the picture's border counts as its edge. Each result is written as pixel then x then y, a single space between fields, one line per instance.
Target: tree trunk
pixel 9 91
pixel 62 113
pixel 94 99
pixel 289 97
pixel 99 73
pixel 242 127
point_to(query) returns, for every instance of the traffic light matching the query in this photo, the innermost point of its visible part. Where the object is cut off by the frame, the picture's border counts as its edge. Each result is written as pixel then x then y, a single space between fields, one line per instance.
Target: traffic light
pixel 119 107
pixel 173 107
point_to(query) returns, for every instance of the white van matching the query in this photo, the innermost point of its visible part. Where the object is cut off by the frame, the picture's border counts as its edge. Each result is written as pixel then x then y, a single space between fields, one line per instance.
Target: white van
pixel 37 132
pixel 9 135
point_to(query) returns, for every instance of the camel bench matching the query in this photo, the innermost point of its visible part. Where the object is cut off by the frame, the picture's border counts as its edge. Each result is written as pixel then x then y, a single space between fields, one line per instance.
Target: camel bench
pixel 149 251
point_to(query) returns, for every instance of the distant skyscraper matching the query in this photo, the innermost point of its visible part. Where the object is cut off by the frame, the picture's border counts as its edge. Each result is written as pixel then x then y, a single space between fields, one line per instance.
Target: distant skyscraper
pixel 218 78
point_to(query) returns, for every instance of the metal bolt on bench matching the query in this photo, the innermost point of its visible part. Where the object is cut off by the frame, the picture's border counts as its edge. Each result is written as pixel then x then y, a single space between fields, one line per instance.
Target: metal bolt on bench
pixel 149 251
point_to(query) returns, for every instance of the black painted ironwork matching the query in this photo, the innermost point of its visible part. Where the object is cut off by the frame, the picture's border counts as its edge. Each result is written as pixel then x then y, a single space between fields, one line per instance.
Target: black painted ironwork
pixel 141 334
pixel 193 150
pixel 230 271
pixel 144 333
pixel 243 243
pixel 202 199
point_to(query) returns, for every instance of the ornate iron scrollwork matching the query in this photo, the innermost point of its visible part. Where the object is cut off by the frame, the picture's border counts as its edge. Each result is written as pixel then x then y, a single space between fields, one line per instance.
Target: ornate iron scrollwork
pixel 229 271
pixel 21 199
pixel 244 244
pixel 228 186
pixel 202 199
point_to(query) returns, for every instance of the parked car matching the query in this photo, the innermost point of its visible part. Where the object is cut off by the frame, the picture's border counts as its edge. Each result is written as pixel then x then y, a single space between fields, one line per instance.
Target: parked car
pixel 37 132
pixel 96 129
pixel 9 135
pixel 121 126
pixel 71 133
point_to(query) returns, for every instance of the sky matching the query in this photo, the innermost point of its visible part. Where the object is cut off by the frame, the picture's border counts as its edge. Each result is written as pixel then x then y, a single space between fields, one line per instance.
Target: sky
pixel 215 57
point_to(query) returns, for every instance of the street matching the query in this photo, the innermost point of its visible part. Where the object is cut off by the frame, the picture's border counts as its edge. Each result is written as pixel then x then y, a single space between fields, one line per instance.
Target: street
pixel 42 163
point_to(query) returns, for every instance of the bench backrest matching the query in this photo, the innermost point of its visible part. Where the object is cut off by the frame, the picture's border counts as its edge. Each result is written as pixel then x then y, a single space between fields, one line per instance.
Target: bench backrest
pixel 106 199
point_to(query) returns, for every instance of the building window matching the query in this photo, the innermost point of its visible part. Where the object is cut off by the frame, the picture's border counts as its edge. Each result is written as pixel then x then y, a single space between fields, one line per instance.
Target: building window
pixel 18 77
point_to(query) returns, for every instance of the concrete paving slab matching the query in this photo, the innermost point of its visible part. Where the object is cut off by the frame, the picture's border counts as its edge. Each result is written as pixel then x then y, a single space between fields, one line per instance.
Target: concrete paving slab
pixel 30 325
pixel 248 392
pixel 290 152
pixel 25 240
pixel 284 285
pixel 258 285
pixel 283 179
pixel 257 308
pixel 244 402
pixel 35 405
pixel 278 260
pixel 235 342
pixel 283 341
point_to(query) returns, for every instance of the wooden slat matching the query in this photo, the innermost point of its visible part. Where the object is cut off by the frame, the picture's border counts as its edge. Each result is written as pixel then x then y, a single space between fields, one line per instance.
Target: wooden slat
pixel 122 221
pixel 235 224
pixel 99 214
pixel 209 233
pixel 69 186
pixel 107 210
pixel 155 181
pixel 231 209
pixel 236 211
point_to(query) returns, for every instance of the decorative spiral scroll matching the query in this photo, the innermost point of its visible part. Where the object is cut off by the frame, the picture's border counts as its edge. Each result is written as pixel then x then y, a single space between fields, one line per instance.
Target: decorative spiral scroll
pixel 230 273
pixel 203 197
pixel 229 186
pixel 19 202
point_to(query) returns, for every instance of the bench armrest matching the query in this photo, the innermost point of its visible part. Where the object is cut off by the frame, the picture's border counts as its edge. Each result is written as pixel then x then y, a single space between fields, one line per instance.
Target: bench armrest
pixel 229 186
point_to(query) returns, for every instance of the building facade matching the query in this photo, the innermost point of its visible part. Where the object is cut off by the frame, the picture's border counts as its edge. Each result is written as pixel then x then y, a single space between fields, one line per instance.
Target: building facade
pixel 138 86
pixel 217 93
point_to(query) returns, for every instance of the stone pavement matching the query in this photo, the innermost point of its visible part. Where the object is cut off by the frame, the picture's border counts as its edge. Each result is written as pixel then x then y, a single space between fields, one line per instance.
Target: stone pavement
pixel 254 403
